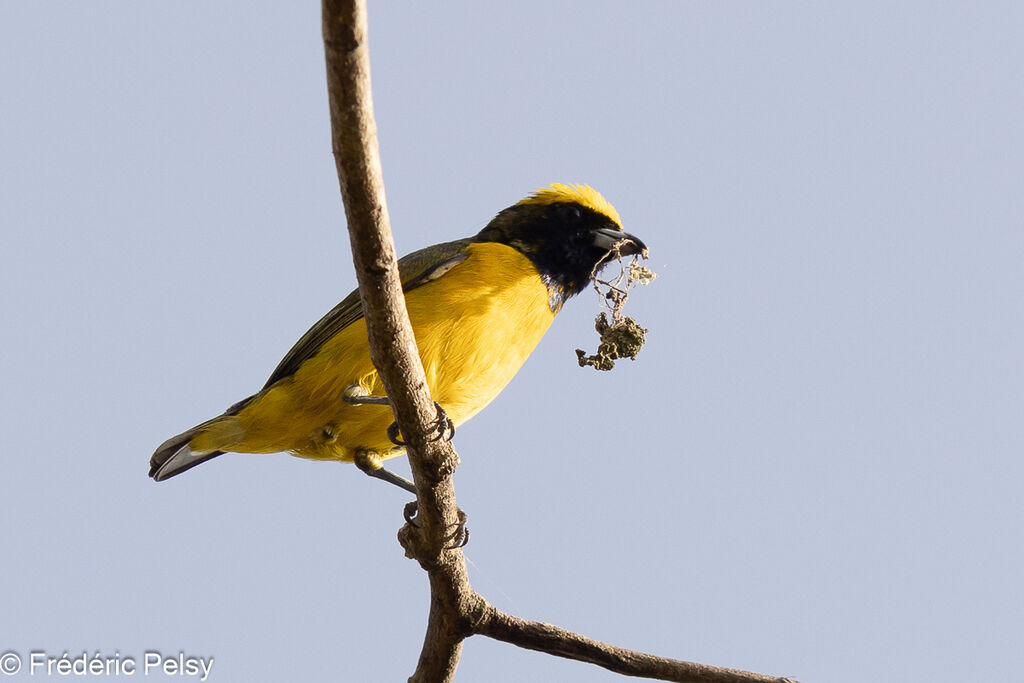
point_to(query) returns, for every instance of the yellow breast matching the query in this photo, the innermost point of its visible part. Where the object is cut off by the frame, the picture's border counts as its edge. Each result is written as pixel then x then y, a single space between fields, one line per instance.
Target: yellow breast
pixel 474 326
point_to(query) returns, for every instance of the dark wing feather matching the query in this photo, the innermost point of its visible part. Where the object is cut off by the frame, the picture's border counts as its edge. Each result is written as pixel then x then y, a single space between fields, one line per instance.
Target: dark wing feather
pixel 415 269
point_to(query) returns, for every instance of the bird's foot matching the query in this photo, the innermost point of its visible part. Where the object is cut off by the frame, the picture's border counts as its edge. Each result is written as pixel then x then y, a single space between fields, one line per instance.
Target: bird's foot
pixel 409 513
pixel 357 395
pixel 459 536
pixel 444 428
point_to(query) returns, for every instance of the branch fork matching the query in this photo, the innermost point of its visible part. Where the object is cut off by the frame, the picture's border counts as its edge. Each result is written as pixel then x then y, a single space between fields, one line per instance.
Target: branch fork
pixel 456 610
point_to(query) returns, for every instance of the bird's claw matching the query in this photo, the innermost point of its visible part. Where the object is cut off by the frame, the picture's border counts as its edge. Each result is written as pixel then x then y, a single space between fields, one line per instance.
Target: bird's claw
pixel 393 434
pixel 444 427
pixel 459 536
pixel 409 513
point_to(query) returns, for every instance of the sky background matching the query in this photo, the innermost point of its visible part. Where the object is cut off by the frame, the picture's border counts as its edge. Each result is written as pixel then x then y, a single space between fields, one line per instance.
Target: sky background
pixel 813 469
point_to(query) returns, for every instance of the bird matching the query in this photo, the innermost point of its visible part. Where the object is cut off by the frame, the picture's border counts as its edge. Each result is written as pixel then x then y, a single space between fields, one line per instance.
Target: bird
pixel 478 308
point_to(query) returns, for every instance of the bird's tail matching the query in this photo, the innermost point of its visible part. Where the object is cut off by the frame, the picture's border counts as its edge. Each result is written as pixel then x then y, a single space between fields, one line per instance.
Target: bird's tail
pixel 174 456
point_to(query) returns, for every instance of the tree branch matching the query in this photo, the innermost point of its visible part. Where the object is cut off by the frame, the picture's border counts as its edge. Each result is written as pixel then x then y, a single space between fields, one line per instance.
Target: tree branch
pixel 456 610
pixel 535 635
pixel 392 344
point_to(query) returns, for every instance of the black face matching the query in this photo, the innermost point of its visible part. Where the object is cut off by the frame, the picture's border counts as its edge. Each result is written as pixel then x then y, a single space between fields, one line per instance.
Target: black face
pixel 565 241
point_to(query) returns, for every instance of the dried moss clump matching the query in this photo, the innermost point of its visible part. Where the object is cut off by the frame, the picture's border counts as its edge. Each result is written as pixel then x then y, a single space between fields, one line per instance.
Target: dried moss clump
pixel 622 340
pixel 621 336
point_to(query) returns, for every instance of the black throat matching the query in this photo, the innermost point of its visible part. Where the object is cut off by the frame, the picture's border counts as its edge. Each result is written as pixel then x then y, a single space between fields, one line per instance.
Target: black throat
pixel 557 238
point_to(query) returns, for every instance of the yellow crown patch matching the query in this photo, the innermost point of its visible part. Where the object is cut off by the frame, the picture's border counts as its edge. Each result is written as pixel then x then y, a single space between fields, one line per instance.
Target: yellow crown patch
pixel 583 195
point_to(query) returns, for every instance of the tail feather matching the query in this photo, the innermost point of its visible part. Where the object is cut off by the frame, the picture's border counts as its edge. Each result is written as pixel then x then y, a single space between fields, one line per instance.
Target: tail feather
pixel 174 456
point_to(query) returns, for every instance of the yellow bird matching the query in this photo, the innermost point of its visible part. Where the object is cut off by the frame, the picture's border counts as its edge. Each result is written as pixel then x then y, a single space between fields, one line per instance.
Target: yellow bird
pixel 478 307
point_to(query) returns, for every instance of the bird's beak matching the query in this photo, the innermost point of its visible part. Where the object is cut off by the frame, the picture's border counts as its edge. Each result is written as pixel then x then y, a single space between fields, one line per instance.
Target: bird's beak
pixel 607 238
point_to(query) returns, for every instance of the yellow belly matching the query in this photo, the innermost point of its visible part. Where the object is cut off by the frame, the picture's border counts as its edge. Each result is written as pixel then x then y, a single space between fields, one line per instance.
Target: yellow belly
pixel 474 326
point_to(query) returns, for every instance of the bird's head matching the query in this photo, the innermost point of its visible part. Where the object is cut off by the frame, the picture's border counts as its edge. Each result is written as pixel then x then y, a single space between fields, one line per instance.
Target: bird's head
pixel 567 231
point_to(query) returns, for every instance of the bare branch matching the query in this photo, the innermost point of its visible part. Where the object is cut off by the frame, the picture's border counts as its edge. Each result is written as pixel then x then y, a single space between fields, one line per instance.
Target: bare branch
pixel 354 138
pixel 553 640
pixel 392 344
pixel 456 611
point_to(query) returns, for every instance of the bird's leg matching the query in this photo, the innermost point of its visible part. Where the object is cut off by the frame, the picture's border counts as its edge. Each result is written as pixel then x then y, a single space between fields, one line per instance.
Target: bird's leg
pixel 369 462
pixel 356 395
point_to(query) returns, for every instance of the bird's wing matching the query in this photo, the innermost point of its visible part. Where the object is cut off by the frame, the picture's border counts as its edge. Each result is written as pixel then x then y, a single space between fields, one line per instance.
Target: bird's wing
pixel 415 269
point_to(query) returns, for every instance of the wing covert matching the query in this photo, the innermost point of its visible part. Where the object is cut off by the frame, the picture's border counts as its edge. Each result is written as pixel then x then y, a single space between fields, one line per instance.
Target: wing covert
pixel 415 269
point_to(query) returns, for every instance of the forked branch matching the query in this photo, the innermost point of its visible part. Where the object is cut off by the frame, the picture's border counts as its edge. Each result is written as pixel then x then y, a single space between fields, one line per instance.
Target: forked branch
pixel 456 610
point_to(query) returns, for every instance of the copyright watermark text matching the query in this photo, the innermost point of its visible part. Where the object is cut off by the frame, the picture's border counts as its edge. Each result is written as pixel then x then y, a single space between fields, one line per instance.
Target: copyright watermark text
pixel 151 663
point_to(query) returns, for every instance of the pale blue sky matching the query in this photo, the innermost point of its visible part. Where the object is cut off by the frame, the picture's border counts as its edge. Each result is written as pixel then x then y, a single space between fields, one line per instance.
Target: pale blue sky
pixel 812 470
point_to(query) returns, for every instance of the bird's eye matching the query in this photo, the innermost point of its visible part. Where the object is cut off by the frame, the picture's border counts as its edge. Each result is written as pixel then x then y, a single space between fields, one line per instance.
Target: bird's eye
pixel 569 213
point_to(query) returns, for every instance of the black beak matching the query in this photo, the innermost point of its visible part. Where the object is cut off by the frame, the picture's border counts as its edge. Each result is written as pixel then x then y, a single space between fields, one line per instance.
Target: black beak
pixel 607 238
